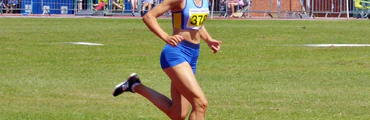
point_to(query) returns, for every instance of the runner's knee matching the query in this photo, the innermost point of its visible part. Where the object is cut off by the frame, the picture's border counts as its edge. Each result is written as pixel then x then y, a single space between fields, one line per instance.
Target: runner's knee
pixel 200 105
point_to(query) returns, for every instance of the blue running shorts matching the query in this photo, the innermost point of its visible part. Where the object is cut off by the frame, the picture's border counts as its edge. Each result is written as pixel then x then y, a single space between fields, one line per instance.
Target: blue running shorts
pixel 184 52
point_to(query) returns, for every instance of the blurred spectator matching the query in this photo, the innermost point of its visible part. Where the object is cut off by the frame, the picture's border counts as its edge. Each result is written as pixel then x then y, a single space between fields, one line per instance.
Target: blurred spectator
pixel 11 4
pixel 117 4
pixel 222 5
pixel 100 5
pixel 232 4
pixel 2 5
pixel 79 4
pixel 134 6
pixel 146 4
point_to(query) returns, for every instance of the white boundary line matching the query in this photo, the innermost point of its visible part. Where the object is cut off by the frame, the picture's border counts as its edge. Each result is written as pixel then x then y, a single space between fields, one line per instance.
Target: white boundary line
pixel 337 45
pixel 84 43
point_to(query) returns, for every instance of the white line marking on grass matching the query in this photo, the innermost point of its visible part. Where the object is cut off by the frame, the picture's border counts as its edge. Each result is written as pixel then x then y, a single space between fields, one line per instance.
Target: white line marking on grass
pixel 337 45
pixel 84 43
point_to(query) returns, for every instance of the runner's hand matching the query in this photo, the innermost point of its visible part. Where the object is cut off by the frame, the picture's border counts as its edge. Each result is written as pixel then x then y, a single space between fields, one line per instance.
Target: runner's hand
pixel 174 40
pixel 215 45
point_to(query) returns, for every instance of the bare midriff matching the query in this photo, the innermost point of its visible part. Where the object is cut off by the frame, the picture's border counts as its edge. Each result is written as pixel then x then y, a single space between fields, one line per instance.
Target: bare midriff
pixel 192 36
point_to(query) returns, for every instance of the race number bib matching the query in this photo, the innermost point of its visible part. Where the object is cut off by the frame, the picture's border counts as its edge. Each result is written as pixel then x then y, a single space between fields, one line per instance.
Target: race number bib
pixel 197 17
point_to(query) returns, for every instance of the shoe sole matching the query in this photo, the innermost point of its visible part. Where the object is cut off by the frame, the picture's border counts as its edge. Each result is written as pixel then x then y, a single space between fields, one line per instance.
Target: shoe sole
pixel 119 85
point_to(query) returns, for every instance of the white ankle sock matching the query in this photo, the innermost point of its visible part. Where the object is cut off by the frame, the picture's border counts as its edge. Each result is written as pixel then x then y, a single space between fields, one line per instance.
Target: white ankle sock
pixel 133 86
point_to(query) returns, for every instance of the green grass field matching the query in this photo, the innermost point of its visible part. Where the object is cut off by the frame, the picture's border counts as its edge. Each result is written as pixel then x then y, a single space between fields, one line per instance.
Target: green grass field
pixel 261 72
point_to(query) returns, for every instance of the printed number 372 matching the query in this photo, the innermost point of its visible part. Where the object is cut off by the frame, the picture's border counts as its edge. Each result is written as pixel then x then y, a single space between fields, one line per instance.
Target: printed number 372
pixel 198 19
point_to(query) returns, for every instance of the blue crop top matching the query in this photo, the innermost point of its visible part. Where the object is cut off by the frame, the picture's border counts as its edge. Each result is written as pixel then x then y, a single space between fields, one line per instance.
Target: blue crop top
pixel 191 17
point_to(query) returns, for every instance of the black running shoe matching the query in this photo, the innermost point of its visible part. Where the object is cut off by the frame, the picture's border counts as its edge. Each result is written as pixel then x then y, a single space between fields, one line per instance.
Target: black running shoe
pixel 142 13
pixel 127 85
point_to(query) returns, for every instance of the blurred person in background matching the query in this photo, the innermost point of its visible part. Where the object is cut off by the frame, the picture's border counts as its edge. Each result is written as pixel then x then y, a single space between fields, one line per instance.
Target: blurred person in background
pixel 134 6
pixel 11 4
pixel 147 4
pixel 232 4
